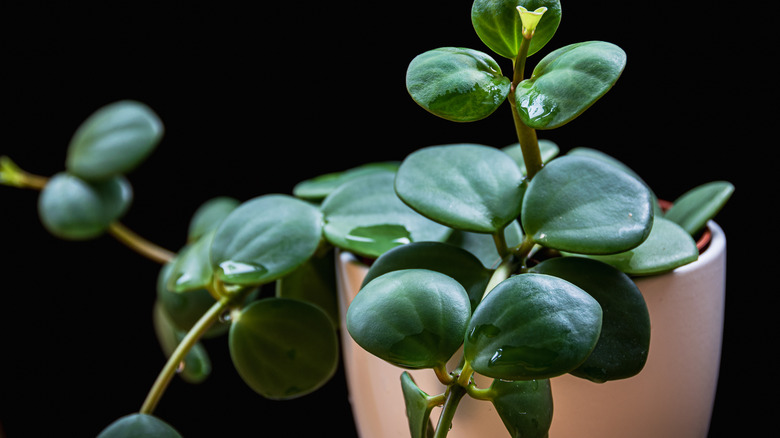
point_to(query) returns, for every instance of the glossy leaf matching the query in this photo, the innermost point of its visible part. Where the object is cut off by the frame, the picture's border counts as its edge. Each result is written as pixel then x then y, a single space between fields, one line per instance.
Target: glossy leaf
pixel 418 408
pixel 185 309
pixel 265 239
pixel 623 345
pixel 113 140
pixel 283 348
pixel 196 366
pixel 192 269
pixel 567 82
pixel 209 215
pixel 71 208
pixel 532 326
pixel 547 148
pixel 525 407
pixel 449 260
pixel 139 425
pixel 472 187
pixel 413 318
pixel 366 217
pixel 583 205
pixel 457 84
pixel 318 188
pixel 599 155
pixel 483 246
pixel 313 282
pixel 498 24
pixel 695 207
pixel 668 247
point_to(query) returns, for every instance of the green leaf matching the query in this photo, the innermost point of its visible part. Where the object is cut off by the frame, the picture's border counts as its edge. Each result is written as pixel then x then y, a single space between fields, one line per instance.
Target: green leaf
pixel 318 188
pixel 498 24
pixel 622 349
pixel 196 366
pixel 483 246
pixel 114 140
pixel 472 187
pixel 418 408
pixel 583 205
pixel 525 407
pixel 192 267
pixel 449 260
pixel 139 426
pixel 599 155
pixel 695 207
pixel 413 318
pixel 567 82
pixel 315 283
pixel 185 309
pixel 532 326
pixel 209 215
pixel 667 247
pixel 71 208
pixel 283 348
pixel 548 149
pixel 457 84
pixel 365 216
pixel 265 239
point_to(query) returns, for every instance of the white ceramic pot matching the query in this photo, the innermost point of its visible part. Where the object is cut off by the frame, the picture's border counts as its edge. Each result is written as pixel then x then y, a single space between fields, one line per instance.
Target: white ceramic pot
pixel 672 397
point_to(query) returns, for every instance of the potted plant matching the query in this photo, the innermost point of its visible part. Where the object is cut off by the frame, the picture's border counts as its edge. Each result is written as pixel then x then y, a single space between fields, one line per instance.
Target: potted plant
pixel 358 211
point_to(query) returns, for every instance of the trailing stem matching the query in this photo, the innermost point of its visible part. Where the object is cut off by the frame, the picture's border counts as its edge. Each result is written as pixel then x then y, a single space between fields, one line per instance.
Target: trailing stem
pixel 193 336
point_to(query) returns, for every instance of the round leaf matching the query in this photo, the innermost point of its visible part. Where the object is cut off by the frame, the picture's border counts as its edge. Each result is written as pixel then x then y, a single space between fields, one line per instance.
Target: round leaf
pixel 624 342
pixel 71 208
pixel 458 84
pixel 472 187
pixel 583 205
pixel 318 188
pixel 498 24
pixel 264 239
pixel 313 282
pixel 436 256
pixel 139 425
pixel 667 247
pixel 567 82
pixel 209 215
pixel 365 216
pixel 695 207
pixel 283 348
pixel 532 326
pixel 525 407
pixel 113 140
pixel 413 318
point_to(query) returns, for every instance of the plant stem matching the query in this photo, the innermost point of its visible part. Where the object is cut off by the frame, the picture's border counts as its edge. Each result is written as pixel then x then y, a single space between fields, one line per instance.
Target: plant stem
pixel 526 136
pixel 186 344
pixel 13 175
pixel 504 270
pixel 453 396
pixel 139 244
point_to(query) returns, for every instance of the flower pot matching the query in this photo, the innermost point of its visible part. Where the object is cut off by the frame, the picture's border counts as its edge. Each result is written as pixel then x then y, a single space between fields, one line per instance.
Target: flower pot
pixel 672 397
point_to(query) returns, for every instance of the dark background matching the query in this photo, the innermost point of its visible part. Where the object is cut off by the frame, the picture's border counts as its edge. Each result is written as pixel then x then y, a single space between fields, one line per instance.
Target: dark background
pixel 259 96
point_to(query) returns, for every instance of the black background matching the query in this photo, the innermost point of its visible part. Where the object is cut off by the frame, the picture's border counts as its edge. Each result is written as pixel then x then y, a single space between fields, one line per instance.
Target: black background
pixel 256 97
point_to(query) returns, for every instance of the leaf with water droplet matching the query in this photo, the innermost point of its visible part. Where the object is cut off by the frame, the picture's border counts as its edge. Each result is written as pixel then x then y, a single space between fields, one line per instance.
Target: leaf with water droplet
pixel 568 81
pixel 365 216
pixel 283 348
pixel 532 326
pixel 265 239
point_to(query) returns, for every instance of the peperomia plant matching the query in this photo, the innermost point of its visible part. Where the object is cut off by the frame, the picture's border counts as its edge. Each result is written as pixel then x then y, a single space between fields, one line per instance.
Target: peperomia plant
pixel 514 263
pixel 566 233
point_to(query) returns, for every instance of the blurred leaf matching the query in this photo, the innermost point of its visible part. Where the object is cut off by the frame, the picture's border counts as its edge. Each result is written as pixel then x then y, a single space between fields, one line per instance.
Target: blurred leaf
pixel 196 366
pixel 138 426
pixel 209 215
pixel 283 348
pixel 113 140
pixel 318 188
